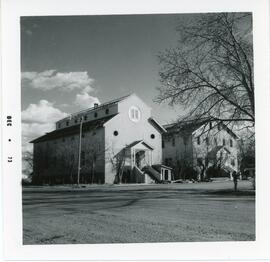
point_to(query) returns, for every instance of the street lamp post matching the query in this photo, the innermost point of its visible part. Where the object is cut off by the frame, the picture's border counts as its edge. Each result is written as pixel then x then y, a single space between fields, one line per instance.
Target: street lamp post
pixel 79 153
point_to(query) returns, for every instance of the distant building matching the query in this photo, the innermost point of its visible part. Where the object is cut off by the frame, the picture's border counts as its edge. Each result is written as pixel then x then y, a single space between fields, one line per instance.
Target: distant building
pixel 199 145
pixel 120 140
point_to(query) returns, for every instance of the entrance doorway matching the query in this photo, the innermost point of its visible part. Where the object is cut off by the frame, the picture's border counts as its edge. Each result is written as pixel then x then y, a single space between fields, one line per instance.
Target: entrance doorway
pixel 139 157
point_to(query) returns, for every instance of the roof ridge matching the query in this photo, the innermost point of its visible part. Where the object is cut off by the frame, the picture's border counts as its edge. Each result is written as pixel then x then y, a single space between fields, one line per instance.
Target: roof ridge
pixel 99 106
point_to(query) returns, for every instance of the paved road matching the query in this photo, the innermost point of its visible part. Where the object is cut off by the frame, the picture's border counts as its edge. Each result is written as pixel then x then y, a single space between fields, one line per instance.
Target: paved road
pixel 138 213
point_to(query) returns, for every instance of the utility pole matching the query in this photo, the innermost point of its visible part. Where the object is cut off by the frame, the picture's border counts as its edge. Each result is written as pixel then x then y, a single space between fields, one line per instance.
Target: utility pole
pixel 79 153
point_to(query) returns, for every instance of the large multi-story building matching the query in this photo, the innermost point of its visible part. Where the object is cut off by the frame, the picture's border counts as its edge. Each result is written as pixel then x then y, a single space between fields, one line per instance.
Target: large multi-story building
pixel 199 144
pixel 118 141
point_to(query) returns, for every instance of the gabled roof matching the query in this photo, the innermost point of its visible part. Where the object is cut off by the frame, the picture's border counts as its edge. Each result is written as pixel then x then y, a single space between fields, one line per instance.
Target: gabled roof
pixel 87 126
pixel 212 154
pixel 191 125
pixel 138 142
pixel 181 126
pixel 157 125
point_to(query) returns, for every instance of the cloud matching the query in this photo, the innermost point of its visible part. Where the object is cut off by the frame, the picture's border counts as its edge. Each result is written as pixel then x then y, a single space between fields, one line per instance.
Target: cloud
pixel 42 112
pixel 37 119
pixel 84 100
pixel 51 79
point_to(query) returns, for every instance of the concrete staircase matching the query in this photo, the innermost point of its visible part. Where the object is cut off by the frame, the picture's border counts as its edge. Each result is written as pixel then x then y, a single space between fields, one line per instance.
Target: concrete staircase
pixel 155 175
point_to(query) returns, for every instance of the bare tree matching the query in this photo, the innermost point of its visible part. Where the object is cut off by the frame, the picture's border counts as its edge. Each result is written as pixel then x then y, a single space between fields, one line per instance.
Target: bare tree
pixel 27 159
pixel 118 162
pixel 211 70
pixel 246 156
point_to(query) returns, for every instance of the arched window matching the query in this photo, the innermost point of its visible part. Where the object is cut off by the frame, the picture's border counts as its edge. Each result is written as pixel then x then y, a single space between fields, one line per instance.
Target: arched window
pixel 134 114
pixel 152 136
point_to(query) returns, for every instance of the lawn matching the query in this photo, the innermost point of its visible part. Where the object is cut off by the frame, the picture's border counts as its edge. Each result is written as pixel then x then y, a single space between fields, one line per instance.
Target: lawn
pixel 138 213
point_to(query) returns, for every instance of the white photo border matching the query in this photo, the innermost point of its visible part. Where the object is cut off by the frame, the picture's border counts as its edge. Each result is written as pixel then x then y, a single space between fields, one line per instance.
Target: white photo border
pixel 12 10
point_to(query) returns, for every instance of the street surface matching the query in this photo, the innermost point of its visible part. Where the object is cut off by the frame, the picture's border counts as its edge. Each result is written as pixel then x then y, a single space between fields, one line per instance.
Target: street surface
pixel 138 213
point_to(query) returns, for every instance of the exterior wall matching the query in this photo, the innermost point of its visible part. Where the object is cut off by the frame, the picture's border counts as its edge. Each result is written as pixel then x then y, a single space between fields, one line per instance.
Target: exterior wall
pixel 176 147
pixel 58 158
pixel 128 132
pixel 215 138
pixel 186 147
pixel 88 115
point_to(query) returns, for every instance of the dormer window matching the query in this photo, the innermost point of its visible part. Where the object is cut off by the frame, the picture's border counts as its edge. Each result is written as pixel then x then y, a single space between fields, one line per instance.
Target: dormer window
pixel 67 123
pixel 134 114
pixel 96 115
pixel 107 111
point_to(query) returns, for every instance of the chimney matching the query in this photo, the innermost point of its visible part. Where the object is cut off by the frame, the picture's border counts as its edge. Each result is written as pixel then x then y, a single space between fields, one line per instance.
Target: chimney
pixel 95 105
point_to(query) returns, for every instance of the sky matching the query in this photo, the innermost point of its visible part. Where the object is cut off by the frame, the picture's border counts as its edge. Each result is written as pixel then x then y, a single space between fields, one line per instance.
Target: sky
pixel 70 62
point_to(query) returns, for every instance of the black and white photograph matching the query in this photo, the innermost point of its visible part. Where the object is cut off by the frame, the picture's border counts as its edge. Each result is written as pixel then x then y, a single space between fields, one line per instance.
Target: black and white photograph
pixel 138 128
pixel 135 131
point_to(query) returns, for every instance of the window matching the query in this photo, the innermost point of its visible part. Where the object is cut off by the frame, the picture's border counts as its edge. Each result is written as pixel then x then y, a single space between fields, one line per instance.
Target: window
pixel 96 115
pixel 223 142
pixel 216 142
pixel 67 123
pixel 232 162
pixel 231 143
pixel 85 118
pixel 210 125
pixel 115 133
pixel 82 158
pixel 163 144
pixel 173 141
pixel 207 141
pixel 107 111
pixel 134 114
pixel 219 127
pixel 76 121
pixel 59 125
pixel 198 140
pixel 152 136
